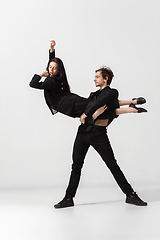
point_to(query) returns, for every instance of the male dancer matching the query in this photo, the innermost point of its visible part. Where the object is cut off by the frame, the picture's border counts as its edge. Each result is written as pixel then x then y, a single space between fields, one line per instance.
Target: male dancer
pixel 96 137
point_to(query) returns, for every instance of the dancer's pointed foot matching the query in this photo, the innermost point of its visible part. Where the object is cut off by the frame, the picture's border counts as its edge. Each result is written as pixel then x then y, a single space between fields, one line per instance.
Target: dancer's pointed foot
pixel 139 110
pixel 139 100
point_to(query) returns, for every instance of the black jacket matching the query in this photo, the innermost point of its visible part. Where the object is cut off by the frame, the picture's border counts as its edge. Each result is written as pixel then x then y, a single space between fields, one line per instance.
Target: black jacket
pixel 56 99
pixel 106 96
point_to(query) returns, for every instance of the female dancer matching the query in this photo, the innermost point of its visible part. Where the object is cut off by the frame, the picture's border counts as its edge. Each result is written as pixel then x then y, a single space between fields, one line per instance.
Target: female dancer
pixel 59 98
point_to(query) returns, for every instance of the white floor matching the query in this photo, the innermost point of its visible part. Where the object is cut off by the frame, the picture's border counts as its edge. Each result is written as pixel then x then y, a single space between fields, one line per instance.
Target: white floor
pixel 97 215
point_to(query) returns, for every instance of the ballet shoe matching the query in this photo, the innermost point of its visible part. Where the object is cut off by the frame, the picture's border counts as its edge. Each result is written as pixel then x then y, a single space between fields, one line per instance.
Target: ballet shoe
pixel 140 110
pixel 140 100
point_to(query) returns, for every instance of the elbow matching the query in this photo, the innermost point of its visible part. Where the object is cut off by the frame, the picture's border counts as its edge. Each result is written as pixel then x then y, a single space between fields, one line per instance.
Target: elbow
pixel 117 93
pixel 31 84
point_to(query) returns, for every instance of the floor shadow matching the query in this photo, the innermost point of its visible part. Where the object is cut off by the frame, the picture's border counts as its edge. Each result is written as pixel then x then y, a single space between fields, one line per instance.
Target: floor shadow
pixel 98 203
pixel 149 195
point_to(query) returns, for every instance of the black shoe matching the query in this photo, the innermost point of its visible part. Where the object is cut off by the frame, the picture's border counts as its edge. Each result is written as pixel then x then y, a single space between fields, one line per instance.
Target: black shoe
pixel 140 100
pixel 140 110
pixel 67 201
pixel 134 199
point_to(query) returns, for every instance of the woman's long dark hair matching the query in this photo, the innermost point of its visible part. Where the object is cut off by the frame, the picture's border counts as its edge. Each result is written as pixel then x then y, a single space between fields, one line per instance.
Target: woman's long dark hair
pixel 61 73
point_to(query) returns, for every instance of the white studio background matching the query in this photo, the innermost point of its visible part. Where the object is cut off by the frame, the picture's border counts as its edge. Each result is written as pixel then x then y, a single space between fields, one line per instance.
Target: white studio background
pixel 36 147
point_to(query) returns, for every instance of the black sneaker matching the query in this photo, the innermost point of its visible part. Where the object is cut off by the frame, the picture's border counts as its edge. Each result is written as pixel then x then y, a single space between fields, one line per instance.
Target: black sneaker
pixel 134 199
pixel 67 201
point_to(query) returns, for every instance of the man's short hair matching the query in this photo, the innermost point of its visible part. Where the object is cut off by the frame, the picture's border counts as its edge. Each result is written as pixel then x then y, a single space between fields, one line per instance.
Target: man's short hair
pixel 106 72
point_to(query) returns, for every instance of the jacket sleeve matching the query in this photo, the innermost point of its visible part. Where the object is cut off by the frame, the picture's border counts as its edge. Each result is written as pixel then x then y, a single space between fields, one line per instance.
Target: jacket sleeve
pixel 104 100
pixel 49 84
pixel 51 55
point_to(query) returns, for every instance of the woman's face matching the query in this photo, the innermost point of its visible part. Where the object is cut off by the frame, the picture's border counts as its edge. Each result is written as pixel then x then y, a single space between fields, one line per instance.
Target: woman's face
pixel 53 69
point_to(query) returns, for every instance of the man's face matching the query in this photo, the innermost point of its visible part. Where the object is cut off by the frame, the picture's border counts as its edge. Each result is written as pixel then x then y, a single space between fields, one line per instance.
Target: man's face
pixel 99 80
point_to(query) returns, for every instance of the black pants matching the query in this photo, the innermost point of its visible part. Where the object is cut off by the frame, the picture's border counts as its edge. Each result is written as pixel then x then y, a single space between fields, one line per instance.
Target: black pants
pixel 98 139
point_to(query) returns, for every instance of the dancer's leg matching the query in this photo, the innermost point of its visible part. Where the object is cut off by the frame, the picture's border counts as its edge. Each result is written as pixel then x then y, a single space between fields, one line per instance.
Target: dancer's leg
pixel 139 100
pixel 127 102
pixel 120 111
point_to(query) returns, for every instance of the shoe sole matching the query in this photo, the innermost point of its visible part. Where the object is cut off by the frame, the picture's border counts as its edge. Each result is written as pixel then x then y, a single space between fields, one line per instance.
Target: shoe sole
pixel 143 205
pixel 62 207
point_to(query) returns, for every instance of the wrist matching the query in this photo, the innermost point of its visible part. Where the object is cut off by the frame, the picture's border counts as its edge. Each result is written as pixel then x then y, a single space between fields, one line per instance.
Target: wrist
pixel 51 50
pixel 84 115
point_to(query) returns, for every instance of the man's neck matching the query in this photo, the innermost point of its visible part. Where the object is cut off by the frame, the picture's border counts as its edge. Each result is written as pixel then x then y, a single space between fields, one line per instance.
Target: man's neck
pixel 102 87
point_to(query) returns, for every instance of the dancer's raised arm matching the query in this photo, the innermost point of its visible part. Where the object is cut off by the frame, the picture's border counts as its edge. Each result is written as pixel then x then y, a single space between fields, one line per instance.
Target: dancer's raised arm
pixel 52 49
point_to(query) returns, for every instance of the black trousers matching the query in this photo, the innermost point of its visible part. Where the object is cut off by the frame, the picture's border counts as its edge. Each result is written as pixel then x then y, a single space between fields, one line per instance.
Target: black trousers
pixel 98 139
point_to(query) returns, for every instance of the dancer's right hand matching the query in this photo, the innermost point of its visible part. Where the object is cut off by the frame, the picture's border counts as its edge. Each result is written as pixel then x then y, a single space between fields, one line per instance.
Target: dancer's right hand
pixel 44 74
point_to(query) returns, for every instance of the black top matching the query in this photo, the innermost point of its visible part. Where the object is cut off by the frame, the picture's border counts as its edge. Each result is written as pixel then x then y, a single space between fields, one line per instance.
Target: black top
pixel 99 98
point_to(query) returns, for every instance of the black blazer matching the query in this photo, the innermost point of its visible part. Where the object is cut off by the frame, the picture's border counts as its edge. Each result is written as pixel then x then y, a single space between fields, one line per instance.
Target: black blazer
pixel 56 99
pixel 99 98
